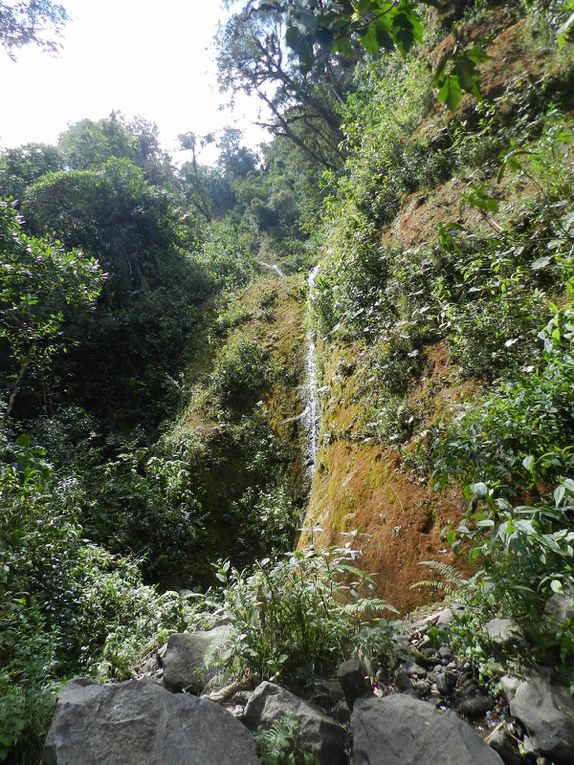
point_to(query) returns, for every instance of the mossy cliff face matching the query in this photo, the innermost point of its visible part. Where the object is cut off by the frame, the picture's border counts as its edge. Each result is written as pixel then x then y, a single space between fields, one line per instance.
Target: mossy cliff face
pixel 241 433
pixel 362 485
pixel 405 346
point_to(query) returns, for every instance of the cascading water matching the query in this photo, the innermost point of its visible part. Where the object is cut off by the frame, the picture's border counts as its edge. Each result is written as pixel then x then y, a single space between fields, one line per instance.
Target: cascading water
pixel 311 413
pixel 273 267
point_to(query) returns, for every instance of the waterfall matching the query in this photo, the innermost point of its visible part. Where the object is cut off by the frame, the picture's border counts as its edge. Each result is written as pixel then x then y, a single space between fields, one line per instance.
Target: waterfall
pixel 311 413
pixel 273 267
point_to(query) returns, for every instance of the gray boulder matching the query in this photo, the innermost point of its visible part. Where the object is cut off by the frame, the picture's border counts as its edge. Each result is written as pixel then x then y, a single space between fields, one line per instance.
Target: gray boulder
pixel 547 712
pixel 502 632
pixel 559 608
pixel 185 662
pixel 351 676
pixel 318 734
pixel 140 723
pixel 400 730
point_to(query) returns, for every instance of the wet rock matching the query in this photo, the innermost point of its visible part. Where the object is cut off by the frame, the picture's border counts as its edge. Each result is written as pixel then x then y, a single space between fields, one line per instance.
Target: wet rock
pixel 351 676
pixel 414 670
pixel 473 706
pixel 185 663
pixel 318 734
pixel 504 741
pixel 400 730
pixel 403 681
pixel 547 712
pixel 141 723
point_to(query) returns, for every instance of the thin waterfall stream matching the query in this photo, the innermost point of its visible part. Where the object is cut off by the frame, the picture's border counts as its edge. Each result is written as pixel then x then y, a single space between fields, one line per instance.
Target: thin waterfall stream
pixel 311 413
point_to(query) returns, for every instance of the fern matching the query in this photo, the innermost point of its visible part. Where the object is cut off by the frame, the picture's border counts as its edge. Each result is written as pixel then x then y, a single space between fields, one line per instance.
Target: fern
pixel 279 745
pixel 452 580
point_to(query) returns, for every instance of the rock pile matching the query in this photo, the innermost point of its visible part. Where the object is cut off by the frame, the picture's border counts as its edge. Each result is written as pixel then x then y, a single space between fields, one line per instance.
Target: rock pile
pixel 420 716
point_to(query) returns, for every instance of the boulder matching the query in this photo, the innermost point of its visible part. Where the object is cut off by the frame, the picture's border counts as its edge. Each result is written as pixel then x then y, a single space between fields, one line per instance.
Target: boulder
pixel 351 676
pixel 559 608
pixel 185 665
pixel 547 712
pixel 400 730
pixel 501 632
pixel 140 723
pixel 318 734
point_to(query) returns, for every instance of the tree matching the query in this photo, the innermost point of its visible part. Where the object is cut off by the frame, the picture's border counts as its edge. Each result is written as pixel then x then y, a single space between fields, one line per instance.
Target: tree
pixel 303 102
pixel 24 165
pixel 30 21
pixel 41 284
pixel 88 144
pixel 315 30
pixel 112 212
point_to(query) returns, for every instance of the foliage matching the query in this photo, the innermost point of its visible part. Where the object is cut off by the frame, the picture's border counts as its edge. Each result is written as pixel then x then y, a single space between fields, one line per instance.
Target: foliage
pixel 41 285
pixel 26 22
pixel 525 554
pixel 241 373
pixel 66 604
pixel 279 744
pixel 297 616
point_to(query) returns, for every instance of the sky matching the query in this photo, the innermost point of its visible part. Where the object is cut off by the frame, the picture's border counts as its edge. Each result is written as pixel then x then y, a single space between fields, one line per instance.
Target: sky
pixel 153 59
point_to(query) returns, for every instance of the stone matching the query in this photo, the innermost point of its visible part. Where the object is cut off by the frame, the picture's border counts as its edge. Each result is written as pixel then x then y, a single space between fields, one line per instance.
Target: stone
pixel 559 608
pixel 509 687
pixel 403 681
pixel 414 670
pixel 445 682
pixel 185 662
pixel 400 730
pixel 140 723
pixel 318 734
pixel 351 677
pixel 445 619
pixel 501 632
pixel 547 712
pixel 474 706
pixel 503 741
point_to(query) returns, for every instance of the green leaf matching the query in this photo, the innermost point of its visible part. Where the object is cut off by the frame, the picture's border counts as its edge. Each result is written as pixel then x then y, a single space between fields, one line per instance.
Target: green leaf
pixel 559 494
pixel 450 93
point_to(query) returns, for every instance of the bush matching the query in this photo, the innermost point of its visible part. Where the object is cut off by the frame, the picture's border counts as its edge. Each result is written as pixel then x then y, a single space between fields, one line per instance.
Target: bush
pixel 241 373
pixel 297 616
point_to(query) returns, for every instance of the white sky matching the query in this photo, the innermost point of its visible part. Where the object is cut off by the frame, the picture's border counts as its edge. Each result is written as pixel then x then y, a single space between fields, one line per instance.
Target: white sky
pixel 136 56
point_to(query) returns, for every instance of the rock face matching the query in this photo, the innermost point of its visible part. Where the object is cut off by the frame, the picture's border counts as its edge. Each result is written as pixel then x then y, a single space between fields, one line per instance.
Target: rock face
pixel 547 712
pixel 184 662
pixel 140 723
pixel 319 734
pixel 400 730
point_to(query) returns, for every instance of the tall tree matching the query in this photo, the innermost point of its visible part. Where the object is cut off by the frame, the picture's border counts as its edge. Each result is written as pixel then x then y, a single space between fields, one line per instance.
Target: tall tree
pixel 303 102
pixel 30 21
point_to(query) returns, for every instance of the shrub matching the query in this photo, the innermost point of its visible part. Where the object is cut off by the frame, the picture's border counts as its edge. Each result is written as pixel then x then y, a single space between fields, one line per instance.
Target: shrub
pixel 297 616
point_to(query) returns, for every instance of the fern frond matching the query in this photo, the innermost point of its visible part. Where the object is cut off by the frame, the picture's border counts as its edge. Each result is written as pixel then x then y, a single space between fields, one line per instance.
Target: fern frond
pixel 367 606
pixel 452 580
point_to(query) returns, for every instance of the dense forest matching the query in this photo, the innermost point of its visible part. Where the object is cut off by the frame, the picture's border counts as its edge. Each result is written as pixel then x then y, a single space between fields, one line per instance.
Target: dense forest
pixel 306 391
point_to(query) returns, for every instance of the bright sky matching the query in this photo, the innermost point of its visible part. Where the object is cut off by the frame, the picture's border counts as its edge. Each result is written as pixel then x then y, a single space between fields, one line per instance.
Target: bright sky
pixel 136 56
